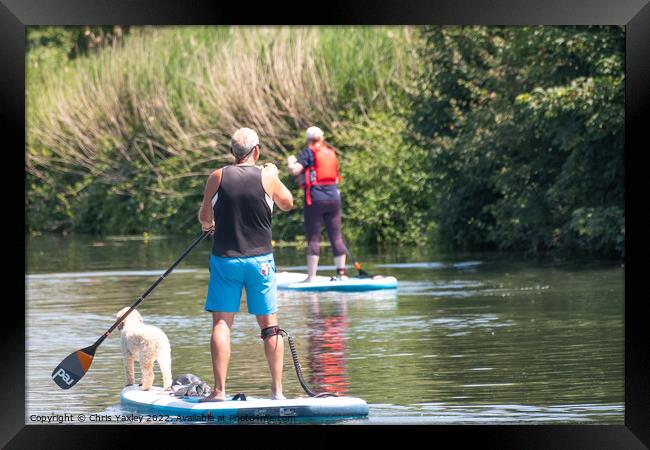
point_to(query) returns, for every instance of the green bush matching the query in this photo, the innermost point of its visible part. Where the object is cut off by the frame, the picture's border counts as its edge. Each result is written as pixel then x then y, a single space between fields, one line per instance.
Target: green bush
pixel 526 130
pixel 385 188
pixel 599 230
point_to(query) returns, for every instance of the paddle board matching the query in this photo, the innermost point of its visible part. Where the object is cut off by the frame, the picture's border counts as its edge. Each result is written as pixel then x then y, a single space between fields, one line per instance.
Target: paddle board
pixel 294 282
pixel 158 401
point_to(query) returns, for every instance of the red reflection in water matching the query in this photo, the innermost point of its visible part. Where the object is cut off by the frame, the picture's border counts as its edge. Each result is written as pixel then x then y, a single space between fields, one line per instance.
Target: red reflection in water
pixel 327 347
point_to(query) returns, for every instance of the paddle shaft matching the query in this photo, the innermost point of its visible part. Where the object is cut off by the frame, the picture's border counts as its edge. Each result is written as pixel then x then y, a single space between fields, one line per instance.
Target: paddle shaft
pixel 357 265
pixel 151 288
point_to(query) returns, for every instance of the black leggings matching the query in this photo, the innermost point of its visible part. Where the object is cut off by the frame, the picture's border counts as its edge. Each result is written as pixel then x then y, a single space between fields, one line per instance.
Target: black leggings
pixel 328 211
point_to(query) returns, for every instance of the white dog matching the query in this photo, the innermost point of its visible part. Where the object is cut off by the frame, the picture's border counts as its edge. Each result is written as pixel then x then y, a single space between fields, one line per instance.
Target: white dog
pixel 150 344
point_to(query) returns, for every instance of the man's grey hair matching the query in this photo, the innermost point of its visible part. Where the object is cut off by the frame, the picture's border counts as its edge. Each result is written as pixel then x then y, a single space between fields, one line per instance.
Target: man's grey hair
pixel 243 141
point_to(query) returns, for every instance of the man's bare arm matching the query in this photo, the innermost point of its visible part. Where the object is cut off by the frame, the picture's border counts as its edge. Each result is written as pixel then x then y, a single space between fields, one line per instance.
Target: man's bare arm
pixel 278 192
pixel 282 196
pixel 206 216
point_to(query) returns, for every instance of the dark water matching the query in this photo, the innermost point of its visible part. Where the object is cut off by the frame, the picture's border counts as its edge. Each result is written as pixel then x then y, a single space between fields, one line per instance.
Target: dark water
pixel 466 338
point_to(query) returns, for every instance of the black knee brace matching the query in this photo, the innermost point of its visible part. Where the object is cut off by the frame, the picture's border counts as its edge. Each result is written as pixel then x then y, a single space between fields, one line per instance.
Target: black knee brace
pixel 272 331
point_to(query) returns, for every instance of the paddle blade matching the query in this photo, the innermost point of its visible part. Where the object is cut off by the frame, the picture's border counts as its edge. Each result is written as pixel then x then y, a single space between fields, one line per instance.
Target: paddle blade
pixel 73 368
pixel 362 273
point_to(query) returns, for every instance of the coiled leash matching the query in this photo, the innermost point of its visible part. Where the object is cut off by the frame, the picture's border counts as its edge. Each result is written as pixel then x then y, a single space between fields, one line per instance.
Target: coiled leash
pixel 276 330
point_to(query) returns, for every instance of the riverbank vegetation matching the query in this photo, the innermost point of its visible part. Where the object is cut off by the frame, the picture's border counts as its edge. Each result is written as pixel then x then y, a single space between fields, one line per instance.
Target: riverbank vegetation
pixel 504 138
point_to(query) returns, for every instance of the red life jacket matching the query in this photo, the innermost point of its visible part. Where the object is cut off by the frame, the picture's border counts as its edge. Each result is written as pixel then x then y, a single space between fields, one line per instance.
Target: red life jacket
pixel 324 171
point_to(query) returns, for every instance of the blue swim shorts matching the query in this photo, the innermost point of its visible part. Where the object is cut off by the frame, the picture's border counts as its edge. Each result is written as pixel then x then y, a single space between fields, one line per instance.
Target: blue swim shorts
pixel 229 275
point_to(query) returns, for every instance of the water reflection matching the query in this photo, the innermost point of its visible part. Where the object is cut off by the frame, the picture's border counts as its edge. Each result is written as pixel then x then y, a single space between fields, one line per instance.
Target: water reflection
pixel 327 333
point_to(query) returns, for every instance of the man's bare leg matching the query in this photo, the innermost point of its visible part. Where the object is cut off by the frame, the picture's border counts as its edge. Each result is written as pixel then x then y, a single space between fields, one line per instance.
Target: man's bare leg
pixel 220 349
pixel 274 351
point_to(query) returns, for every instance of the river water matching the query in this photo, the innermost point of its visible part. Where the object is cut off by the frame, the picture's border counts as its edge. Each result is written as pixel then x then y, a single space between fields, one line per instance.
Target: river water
pixel 466 338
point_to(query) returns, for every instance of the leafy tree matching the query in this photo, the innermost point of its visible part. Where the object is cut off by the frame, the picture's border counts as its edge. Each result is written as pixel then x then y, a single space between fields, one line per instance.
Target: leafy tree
pixel 525 127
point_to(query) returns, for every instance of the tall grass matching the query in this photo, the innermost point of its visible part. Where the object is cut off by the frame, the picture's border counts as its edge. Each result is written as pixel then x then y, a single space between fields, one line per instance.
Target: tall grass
pixel 167 100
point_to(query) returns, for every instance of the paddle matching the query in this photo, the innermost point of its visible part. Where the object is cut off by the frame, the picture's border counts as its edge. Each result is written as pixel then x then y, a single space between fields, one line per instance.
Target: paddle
pixel 357 265
pixel 76 364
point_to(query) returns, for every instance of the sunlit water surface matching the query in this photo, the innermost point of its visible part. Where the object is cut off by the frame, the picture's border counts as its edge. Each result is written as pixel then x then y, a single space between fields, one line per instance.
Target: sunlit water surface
pixel 466 338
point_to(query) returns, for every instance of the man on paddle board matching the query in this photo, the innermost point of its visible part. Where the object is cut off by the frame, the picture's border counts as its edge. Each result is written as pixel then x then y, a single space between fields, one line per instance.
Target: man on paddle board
pixel 317 167
pixel 237 208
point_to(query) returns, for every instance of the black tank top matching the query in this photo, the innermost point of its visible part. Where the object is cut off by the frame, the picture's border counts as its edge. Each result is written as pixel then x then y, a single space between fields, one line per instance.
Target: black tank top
pixel 242 215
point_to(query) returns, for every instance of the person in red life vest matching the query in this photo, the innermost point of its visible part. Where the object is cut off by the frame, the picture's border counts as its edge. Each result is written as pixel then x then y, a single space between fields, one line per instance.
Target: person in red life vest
pixel 318 171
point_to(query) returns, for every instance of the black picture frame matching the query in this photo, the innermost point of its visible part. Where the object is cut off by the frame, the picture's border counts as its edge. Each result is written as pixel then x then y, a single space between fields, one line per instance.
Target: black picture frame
pixel 15 15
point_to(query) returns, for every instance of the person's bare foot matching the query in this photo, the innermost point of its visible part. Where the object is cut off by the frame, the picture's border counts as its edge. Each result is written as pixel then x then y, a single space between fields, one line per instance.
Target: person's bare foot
pixel 214 397
pixel 309 280
pixel 278 396
pixel 341 274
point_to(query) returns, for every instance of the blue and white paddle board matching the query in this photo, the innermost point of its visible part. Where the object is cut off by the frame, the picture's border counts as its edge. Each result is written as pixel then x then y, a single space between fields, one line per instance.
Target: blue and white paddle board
pixel 158 401
pixel 292 281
